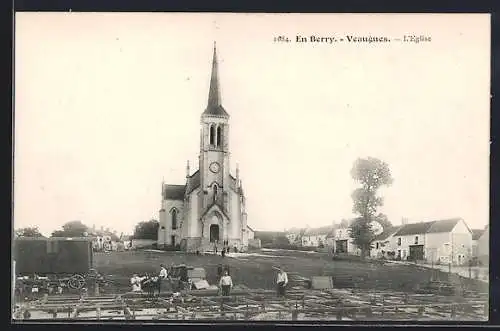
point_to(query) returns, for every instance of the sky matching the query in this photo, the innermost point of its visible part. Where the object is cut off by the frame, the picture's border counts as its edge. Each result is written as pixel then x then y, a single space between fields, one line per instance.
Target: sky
pixel 107 105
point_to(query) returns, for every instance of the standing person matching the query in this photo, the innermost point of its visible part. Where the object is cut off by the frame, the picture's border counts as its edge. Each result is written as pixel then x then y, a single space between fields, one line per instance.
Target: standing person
pixel 281 281
pixel 226 284
pixel 161 277
pixel 136 283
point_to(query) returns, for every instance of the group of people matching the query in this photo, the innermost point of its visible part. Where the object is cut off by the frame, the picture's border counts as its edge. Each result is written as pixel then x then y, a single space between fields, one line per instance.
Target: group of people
pixel 226 282
pixel 154 283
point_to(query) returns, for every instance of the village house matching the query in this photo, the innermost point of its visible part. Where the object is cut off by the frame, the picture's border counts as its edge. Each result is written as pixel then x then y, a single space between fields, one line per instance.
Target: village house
pixel 316 237
pixel 382 245
pixel 343 243
pixel 294 235
pixel 443 241
pixel 476 234
pixel 483 247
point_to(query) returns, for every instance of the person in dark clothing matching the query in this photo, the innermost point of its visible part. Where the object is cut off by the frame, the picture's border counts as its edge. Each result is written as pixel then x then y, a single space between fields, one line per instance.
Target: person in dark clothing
pixel 220 272
pixel 223 252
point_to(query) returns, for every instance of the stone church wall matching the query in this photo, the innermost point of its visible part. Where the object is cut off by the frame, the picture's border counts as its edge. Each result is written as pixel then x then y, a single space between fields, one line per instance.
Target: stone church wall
pixel 165 232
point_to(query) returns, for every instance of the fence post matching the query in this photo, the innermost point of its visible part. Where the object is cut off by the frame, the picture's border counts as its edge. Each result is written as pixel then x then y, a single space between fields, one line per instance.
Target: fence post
pixel 453 313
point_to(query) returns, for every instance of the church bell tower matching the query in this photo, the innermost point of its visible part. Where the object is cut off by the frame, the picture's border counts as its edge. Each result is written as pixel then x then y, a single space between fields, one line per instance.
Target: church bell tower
pixel 214 145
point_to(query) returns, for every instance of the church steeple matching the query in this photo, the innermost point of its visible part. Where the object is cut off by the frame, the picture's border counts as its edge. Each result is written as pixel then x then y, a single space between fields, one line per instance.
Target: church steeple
pixel 214 98
pixel 214 106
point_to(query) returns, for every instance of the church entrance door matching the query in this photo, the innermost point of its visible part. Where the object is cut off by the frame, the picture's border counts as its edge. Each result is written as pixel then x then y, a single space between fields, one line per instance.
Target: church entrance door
pixel 214 233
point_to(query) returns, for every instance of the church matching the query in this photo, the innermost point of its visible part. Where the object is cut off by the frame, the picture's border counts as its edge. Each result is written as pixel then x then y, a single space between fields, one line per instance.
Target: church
pixel 209 209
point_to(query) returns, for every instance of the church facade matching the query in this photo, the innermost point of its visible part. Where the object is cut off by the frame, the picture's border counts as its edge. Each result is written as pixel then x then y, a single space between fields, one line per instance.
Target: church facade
pixel 209 209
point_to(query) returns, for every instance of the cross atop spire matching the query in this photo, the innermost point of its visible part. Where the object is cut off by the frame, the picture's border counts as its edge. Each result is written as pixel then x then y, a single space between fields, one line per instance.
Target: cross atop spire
pixel 214 106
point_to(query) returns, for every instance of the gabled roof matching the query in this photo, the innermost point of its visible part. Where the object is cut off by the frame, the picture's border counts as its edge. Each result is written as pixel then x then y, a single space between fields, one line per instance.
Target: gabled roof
pixel 439 226
pixel 173 192
pixel 414 228
pixel 443 225
pixel 476 233
pixel 214 205
pixel 387 233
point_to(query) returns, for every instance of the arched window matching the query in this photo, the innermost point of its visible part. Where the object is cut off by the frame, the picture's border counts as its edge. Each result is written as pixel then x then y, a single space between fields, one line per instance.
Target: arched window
pixel 212 135
pixel 215 192
pixel 174 219
pixel 219 136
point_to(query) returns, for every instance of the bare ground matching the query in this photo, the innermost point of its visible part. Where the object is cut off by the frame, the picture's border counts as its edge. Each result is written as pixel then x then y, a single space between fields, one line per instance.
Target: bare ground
pixel 255 270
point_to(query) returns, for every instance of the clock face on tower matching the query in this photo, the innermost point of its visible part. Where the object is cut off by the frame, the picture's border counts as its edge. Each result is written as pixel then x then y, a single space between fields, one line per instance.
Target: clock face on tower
pixel 214 167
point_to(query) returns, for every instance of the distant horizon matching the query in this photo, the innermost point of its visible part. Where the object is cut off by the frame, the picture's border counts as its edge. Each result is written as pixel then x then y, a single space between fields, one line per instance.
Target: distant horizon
pixel 282 230
pixel 107 105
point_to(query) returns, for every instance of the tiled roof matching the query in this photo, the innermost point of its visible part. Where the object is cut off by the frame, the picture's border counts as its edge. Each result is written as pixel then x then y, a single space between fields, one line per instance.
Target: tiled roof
pixel 414 228
pixel 174 192
pixel 319 231
pixel 439 226
pixel 193 182
pixel 387 233
pixel 476 233
pixel 443 225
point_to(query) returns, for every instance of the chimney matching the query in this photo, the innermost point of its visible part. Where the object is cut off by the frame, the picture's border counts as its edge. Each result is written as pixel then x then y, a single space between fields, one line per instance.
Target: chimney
pixel 404 221
pixel 187 169
pixel 237 174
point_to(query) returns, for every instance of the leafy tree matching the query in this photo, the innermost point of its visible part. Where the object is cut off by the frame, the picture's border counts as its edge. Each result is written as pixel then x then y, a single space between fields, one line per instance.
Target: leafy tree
pixel 300 235
pixel 31 231
pixel 344 223
pixel 383 220
pixel 147 230
pixel 372 174
pixel 72 229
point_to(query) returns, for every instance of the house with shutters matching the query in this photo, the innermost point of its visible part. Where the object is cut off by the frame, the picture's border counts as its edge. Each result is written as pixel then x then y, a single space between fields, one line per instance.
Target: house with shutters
pixel 316 237
pixel 442 241
pixel 382 245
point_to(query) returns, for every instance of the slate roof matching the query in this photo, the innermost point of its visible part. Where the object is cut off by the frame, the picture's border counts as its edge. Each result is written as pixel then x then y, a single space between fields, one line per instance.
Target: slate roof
pixel 214 106
pixel 193 182
pixel 174 192
pixel 217 110
pixel 476 233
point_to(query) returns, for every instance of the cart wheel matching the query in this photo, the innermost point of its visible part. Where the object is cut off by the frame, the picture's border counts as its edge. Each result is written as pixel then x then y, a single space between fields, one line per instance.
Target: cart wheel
pixel 76 282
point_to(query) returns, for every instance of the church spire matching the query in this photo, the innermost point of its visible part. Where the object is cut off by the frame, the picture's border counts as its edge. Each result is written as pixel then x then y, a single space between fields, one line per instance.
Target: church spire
pixel 214 106
pixel 214 98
